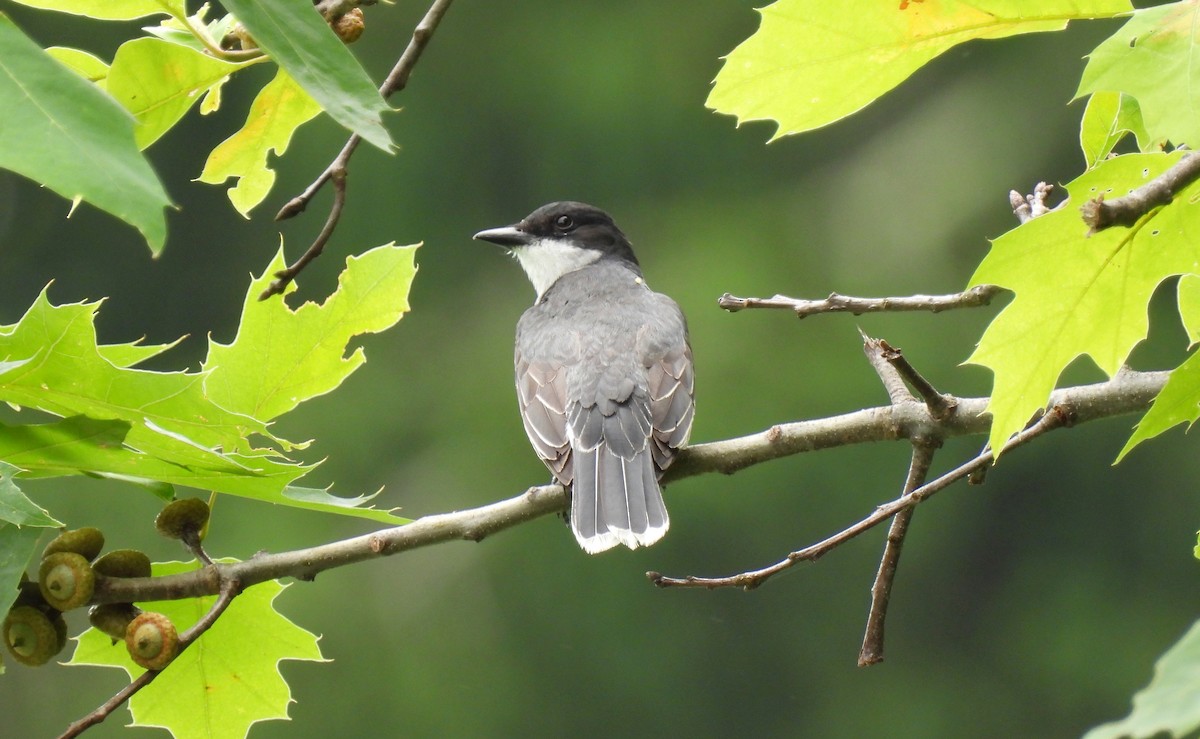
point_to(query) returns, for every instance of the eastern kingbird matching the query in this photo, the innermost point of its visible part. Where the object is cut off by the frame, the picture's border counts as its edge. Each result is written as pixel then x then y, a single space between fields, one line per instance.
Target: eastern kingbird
pixel 604 372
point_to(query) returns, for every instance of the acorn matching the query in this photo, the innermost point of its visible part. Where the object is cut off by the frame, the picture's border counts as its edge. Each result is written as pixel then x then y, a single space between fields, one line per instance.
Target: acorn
pixel 113 618
pixel 86 542
pixel 31 637
pixel 66 580
pixel 123 563
pixel 182 519
pixel 152 640
pixel 349 25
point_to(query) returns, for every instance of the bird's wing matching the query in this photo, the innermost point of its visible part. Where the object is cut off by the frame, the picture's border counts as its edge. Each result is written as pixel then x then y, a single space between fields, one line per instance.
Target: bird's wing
pixel 672 386
pixel 542 395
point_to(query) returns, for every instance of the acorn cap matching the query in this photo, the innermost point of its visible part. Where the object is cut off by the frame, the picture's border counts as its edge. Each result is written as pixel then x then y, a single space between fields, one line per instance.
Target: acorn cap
pixel 31 637
pixel 66 580
pixel 123 563
pixel 151 640
pixel 86 542
pixel 180 518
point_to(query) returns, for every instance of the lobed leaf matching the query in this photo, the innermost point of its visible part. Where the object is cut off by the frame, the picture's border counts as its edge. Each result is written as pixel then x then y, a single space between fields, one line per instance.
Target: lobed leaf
pixel 1154 58
pixel 88 66
pixel 1108 117
pixel 61 131
pixel 158 81
pixel 1079 295
pixel 299 40
pixel 1168 704
pixel 1178 402
pixel 278 110
pixel 204 693
pixel 813 62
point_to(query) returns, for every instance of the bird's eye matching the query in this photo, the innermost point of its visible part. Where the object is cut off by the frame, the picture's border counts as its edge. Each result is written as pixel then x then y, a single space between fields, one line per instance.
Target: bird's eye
pixel 564 223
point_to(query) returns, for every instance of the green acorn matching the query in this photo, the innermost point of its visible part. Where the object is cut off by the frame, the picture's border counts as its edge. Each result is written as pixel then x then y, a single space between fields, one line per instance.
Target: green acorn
pixel 66 580
pixel 182 519
pixel 31 637
pixel 86 542
pixel 152 640
pixel 123 563
pixel 113 619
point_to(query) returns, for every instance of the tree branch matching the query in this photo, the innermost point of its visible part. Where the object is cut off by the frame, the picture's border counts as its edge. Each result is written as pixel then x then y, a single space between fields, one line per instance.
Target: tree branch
pixel 396 81
pixel 1100 214
pixel 1128 392
pixel 836 303
pixel 229 589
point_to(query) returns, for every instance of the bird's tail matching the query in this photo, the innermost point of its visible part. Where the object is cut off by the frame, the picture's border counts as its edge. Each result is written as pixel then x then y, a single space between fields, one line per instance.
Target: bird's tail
pixel 615 500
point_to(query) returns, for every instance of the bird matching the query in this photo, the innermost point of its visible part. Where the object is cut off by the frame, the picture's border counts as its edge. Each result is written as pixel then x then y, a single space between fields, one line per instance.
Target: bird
pixel 605 383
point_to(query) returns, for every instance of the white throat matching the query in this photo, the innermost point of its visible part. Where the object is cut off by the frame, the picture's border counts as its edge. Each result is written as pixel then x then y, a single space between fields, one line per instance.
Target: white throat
pixel 545 261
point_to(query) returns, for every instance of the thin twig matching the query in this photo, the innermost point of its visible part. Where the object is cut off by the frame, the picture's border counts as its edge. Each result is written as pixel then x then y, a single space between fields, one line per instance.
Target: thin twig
pixel 1056 417
pixel 1100 214
pixel 871 651
pixel 396 81
pixel 1126 393
pixel 837 303
pixel 876 351
pixel 230 588
pixel 284 277
pixel 940 405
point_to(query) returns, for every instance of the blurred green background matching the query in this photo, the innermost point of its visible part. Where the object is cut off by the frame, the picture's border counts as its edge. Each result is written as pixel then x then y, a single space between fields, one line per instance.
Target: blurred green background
pixel 1032 606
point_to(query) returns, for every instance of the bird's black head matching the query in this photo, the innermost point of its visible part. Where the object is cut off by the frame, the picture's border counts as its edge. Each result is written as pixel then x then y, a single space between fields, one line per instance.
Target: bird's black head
pixel 559 238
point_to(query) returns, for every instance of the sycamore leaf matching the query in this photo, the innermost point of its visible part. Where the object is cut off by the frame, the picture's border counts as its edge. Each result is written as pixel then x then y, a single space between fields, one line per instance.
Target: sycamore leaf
pixel 62 131
pixel 1153 58
pixel 225 682
pixel 1108 117
pixel 91 68
pixel 158 81
pixel 1178 402
pixel 813 62
pixel 1168 705
pixel 109 10
pixel 278 110
pixel 282 357
pixel 299 40
pixel 1077 294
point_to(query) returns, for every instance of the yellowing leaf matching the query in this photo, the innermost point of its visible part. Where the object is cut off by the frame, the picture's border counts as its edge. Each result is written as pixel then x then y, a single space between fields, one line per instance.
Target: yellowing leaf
pixel 1153 58
pixel 281 356
pixel 158 81
pixel 278 110
pixel 813 62
pixel 225 682
pixel 1076 294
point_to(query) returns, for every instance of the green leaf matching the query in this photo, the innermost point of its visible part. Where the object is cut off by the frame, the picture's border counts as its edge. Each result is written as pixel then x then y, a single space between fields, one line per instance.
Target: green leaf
pixel 1168 704
pixel 17 545
pixel 1077 294
pixel 278 110
pixel 133 353
pixel 1178 402
pixel 63 132
pixel 1153 58
pixel 1189 306
pixel 813 62
pixel 225 682
pixel 1108 117
pixel 109 10
pixel 299 40
pixel 18 510
pixel 91 68
pixel 282 357
pixel 158 81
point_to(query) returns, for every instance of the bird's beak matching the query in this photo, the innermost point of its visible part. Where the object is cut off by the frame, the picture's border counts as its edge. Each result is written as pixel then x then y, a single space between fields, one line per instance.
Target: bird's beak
pixel 508 236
